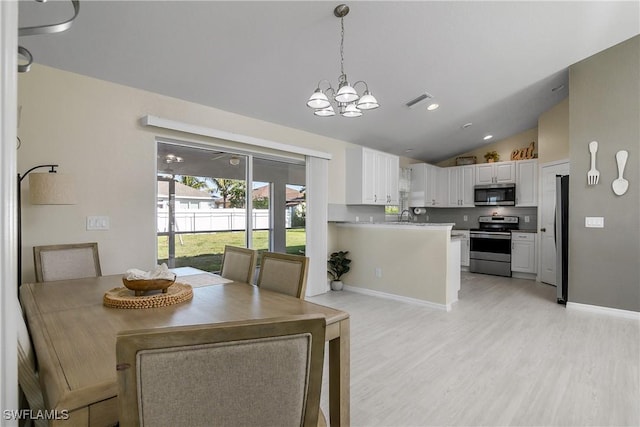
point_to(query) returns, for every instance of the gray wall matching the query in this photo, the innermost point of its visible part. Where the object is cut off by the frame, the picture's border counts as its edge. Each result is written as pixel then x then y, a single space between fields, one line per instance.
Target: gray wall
pixel 604 105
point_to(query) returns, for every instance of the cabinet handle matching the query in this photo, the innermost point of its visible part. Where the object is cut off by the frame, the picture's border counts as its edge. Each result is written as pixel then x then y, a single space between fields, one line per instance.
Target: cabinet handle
pixel 543 230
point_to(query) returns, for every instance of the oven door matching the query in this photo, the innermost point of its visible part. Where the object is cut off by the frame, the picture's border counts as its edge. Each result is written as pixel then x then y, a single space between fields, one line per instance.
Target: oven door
pixel 490 246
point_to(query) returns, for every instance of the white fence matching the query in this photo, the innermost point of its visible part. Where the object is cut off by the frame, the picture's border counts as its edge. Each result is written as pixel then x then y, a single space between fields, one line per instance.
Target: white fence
pixel 215 220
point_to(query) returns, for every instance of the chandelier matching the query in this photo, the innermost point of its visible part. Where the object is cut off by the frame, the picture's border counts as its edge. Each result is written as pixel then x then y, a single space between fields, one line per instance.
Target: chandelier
pixel 346 99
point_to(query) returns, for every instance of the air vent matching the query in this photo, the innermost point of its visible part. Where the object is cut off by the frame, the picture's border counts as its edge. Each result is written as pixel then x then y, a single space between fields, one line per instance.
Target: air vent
pixel 419 100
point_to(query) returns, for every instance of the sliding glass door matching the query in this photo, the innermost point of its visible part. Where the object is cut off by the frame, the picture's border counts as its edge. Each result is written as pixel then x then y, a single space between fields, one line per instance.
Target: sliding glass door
pixel 202 204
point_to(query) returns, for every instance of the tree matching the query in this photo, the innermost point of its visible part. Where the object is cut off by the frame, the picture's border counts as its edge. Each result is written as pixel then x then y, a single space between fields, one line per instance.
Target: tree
pixel 231 191
pixel 193 182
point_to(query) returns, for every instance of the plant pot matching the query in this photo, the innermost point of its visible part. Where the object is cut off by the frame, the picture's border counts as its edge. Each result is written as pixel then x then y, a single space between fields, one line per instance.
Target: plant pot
pixel 336 285
pixel 490 161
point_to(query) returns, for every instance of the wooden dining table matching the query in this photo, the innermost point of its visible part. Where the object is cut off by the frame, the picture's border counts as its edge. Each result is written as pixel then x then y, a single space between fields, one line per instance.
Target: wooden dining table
pixel 74 336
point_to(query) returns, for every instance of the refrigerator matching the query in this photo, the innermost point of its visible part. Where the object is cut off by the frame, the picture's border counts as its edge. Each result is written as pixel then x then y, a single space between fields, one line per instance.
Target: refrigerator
pixel 562 237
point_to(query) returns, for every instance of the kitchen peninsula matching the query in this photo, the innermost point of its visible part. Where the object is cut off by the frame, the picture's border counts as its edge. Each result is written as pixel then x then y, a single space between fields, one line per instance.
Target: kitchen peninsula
pixel 416 262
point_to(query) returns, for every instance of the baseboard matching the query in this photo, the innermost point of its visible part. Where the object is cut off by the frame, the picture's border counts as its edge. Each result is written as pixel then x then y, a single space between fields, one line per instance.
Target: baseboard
pixel 409 300
pixel 627 314
pixel 519 275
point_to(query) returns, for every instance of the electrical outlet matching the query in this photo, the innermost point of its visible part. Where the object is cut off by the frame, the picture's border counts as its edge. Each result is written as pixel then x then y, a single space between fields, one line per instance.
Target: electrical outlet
pixel 370 219
pixel 357 219
pixel 465 218
pixel 378 272
pixel 526 218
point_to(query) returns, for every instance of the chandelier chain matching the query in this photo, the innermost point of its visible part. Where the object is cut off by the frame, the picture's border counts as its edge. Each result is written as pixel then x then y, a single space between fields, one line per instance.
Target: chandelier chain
pixel 342 47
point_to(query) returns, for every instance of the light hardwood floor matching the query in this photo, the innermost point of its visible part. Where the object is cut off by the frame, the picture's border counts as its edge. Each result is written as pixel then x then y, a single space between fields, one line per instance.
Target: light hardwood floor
pixel 506 354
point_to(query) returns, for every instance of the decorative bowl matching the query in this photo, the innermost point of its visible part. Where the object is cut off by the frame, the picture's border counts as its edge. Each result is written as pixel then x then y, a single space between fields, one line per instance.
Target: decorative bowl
pixel 143 285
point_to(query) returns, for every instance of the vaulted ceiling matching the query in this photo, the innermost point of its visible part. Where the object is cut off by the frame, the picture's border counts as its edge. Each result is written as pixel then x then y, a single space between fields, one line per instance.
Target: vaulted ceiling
pixel 492 64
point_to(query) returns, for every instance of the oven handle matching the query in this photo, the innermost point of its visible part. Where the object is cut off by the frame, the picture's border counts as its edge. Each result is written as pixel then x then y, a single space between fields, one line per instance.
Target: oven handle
pixel 500 236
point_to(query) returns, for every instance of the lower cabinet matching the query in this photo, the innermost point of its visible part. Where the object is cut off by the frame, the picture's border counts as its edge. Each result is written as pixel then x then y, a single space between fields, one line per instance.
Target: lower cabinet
pixel 523 252
pixel 465 248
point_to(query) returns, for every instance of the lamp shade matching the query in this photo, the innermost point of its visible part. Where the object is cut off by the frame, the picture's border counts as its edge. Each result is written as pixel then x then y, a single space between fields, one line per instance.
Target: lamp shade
pixel 52 189
pixel 325 112
pixel 351 111
pixel 318 100
pixel 367 102
pixel 346 94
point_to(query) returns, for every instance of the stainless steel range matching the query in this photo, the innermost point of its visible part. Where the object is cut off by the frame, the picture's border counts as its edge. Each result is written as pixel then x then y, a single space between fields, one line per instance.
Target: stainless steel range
pixel 491 245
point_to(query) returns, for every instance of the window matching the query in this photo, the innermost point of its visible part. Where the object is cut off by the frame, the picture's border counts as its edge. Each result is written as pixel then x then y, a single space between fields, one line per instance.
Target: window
pixel 206 192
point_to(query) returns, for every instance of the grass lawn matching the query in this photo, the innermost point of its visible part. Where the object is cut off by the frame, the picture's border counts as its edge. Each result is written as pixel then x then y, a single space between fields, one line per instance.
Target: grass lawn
pixel 204 250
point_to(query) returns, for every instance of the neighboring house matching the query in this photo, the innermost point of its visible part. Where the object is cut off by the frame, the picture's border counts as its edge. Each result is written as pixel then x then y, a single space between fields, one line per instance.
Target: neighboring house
pixel 186 198
pixel 293 196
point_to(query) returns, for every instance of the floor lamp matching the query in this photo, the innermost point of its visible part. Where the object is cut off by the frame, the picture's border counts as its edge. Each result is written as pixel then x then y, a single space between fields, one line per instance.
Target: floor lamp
pixel 50 188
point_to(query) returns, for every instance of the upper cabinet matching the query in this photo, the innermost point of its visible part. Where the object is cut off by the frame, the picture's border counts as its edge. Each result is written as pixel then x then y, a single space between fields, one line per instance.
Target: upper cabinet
pixel 527 183
pixel 372 177
pixel 460 180
pixel 495 173
pixel 428 185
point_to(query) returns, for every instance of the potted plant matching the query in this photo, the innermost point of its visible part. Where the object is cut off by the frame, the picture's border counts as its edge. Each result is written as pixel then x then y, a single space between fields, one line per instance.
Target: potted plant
pixel 338 265
pixel 492 156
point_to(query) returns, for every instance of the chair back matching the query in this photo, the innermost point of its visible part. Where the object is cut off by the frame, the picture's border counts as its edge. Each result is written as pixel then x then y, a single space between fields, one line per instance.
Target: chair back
pixel 27 372
pixel 70 261
pixel 284 273
pixel 239 264
pixel 245 373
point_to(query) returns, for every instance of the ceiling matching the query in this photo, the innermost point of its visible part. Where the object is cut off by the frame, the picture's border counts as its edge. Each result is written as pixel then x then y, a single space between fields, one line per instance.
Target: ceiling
pixel 492 64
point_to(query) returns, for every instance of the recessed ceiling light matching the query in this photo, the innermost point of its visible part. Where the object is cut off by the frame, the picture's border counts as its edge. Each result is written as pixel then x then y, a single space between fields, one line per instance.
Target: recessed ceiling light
pixel 466 125
pixel 487 137
pixel 433 106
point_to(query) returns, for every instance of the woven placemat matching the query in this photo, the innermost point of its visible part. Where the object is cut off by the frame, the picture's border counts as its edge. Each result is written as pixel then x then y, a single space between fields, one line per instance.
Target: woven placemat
pixel 125 298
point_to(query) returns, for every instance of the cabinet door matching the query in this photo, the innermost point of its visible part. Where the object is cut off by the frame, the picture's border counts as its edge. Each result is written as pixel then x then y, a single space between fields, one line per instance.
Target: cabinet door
pixel 523 253
pixel 453 185
pixel 370 180
pixel 484 174
pixel 392 192
pixel 527 183
pixel 504 172
pixel 466 179
pixel 417 195
pixel 440 186
pixel 465 250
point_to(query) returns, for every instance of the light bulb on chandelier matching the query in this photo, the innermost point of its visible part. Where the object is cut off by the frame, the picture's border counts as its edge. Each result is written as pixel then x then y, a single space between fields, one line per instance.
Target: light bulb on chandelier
pixel 347 100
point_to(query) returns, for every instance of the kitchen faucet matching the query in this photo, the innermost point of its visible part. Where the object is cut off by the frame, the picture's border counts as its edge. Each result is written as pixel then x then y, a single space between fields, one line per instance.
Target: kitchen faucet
pixel 409 216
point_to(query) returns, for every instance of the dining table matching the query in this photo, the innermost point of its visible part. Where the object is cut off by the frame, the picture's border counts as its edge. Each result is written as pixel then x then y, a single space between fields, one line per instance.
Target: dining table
pixel 74 337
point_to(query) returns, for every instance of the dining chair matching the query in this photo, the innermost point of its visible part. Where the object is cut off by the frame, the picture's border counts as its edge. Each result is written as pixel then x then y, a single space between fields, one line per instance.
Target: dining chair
pixel 284 273
pixel 239 264
pixel 27 373
pixel 69 261
pixel 244 373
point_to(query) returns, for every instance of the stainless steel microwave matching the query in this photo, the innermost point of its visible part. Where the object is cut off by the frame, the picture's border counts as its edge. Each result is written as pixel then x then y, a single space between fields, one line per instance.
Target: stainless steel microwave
pixel 495 195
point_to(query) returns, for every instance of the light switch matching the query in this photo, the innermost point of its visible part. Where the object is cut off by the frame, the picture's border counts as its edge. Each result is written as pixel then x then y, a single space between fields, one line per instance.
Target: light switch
pixel 97 223
pixel 594 222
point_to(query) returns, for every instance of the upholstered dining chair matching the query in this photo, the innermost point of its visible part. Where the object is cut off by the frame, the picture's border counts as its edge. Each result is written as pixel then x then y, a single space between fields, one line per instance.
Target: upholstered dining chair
pixel 239 264
pixel 27 373
pixel 284 273
pixel 69 261
pixel 245 373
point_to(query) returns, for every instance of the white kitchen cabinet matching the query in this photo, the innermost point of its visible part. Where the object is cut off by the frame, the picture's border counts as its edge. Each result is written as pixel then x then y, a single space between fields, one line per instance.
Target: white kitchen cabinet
pixel 427 186
pixel 372 177
pixel 460 181
pixel 527 183
pixel 495 173
pixel 523 252
pixel 465 247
